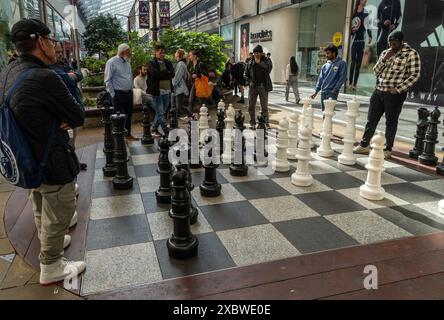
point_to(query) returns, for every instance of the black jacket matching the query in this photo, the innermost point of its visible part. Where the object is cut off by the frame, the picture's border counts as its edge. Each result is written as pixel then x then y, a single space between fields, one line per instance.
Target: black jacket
pixel 40 102
pixel 155 76
pixel 265 67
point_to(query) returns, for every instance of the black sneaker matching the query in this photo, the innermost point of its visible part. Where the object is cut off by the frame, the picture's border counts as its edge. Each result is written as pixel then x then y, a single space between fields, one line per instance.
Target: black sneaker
pixel 241 101
pixel 83 166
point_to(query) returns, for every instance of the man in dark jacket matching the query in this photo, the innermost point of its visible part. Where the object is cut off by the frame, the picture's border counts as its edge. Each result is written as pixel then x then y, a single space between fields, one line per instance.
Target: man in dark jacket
pixel 257 75
pixel 42 104
pixel 160 75
pixel 389 18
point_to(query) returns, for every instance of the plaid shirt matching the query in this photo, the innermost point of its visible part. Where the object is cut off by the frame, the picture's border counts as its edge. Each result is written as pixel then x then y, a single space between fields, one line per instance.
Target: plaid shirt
pixel 400 72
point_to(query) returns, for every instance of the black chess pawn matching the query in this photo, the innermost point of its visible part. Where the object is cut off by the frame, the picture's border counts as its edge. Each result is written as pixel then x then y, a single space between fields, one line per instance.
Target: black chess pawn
pixel 109 170
pixel 239 167
pixel 220 127
pixel 422 124
pixel 183 244
pixel 163 195
pixel 440 168
pixel 260 140
pixel 122 180
pixel 210 188
pixel 428 157
pixel 174 122
pixel 147 138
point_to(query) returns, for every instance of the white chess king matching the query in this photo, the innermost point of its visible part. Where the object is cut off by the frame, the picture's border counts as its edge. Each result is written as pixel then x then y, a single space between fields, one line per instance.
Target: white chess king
pixel 325 150
pixel 372 189
pixel 347 157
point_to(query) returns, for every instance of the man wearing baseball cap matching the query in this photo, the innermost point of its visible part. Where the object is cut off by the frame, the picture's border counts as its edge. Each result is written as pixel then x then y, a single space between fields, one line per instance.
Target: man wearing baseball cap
pixel 397 71
pixel 43 107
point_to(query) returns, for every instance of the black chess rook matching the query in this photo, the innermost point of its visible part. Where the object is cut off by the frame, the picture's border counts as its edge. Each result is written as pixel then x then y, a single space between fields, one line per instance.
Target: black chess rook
pixel 122 180
pixel 422 124
pixel 147 138
pixel 239 168
pixel 210 188
pixel 220 127
pixel 183 244
pixel 428 157
pixel 109 170
pixel 163 194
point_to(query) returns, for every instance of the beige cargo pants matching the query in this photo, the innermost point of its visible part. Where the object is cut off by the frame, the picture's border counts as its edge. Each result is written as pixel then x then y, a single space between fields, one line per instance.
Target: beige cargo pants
pixel 53 208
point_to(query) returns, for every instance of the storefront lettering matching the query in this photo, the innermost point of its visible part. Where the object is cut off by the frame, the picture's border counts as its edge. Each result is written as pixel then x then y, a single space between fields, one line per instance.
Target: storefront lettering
pixel 264 35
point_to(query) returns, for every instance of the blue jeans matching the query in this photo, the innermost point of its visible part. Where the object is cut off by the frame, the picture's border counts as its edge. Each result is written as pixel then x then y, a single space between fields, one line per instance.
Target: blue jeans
pixel 327 95
pixel 161 103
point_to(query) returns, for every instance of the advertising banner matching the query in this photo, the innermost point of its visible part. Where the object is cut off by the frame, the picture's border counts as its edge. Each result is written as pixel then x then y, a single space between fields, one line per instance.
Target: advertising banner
pixel 164 12
pixel 144 15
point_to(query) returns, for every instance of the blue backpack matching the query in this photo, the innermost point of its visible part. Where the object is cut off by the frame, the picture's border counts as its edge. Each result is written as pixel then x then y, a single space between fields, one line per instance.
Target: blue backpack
pixel 17 162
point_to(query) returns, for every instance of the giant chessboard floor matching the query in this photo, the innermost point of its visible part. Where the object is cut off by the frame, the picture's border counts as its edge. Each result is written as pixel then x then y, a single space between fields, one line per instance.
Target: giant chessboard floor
pixel 257 219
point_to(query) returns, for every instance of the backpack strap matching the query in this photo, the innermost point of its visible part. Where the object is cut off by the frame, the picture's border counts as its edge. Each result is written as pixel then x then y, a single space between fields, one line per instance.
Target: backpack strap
pixel 15 85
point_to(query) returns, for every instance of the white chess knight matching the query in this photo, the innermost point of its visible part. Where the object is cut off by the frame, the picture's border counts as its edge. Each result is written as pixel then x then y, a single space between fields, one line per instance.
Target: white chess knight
pixel 372 189
pixel 302 177
pixel 347 157
pixel 203 123
pixel 281 164
pixel 227 156
pixel 325 150
pixel 293 131
pixel 441 207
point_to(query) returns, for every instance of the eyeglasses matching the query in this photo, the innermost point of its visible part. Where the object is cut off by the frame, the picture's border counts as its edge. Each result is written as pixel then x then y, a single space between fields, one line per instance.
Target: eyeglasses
pixel 54 41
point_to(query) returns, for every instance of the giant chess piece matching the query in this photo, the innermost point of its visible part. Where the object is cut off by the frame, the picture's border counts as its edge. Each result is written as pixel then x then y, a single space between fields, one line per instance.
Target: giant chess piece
pixel 210 187
pixel 203 123
pixel 239 167
pixel 422 124
pixel 122 180
pixel 109 170
pixel 428 157
pixel 174 122
pixel 306 102
pixel 193 141
pixel 183 244
pixel 147 138
pixel 163 195
pixel 220 125
pixel 441 207
pixel 227 156
pixel 325 150
pixel 293 132
pixel 281 164
pixel 440 168
pixel 309 120
pixel 260 141
pixel 347 157
pixel 372 189
pixel 302 177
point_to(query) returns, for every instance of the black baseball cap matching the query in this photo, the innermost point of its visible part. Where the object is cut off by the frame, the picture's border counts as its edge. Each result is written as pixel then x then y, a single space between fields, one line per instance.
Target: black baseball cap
pixel 28 28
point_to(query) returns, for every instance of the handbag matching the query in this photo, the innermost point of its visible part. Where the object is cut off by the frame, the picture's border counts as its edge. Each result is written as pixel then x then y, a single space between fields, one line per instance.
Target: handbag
pixel 203 88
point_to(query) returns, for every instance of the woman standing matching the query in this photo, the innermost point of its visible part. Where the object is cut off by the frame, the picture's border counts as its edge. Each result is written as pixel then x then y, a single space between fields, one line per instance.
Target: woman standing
pixel 358 35
pixel 180 89
pixel 292 80
pixel 197 70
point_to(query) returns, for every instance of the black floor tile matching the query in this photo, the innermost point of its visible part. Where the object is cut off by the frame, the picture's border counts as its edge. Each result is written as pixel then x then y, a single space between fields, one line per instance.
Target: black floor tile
pixel 103 189
pixel 232 216
pixel 148 170
pixel 151 205
pixel 412 193
pixel 338 181
pixel 278 175
pixel 329 202
pixel 116 232
pixel 137 151
pixel 260 189
pixel 314 235
pixel 199 177
pixel 211 256
pixel 409 174
pixel 337 165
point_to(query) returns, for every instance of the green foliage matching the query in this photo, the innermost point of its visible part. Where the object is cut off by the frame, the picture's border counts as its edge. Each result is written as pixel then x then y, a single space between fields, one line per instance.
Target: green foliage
pixel 90 102
pixel 102 34
pixel 94 65
pixel 210 46
pixel 141 51
pixel 93 81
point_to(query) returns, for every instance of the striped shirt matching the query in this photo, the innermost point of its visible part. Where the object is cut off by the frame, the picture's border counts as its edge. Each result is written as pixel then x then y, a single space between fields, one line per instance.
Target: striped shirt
pixel 400 72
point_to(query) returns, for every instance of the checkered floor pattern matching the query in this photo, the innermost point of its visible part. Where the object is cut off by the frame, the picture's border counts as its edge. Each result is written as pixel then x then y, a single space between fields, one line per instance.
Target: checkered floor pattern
pixel 257 219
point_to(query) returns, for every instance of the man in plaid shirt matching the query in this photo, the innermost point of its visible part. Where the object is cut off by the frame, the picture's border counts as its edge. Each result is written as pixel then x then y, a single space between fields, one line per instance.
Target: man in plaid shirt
pixel 397 70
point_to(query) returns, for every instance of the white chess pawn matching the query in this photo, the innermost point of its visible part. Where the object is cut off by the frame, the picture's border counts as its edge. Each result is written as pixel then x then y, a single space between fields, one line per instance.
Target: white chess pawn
pixel 281 164
pixel 372 189
pixel 221 105
pixel 293 131
pixel 227 156
pixel 302 176
pixel 441 207
pixel 347 157
pixel 325 150
pixel 203 123
pixel 309 121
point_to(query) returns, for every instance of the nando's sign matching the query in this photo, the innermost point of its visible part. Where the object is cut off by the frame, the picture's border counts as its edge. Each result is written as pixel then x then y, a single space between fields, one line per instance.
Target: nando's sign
pixel 262 36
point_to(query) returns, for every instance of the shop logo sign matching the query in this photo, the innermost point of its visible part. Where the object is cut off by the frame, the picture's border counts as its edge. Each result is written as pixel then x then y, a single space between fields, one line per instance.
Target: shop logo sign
pixel 264 35
pixel 435 39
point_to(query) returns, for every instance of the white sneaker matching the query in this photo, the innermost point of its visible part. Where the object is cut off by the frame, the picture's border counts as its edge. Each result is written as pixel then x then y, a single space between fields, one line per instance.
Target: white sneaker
pixel 66 241
pixel 73 220
pixel 361 150
pixel 60 270
pixel 77 190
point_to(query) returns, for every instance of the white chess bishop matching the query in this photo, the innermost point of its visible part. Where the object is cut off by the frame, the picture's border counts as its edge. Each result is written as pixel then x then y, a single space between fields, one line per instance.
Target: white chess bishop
pixel 227 156
pixel 302 177
pixel 281 164
pixel 325 150
pixel 203 123
pixel 372 189
pixel 347 157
